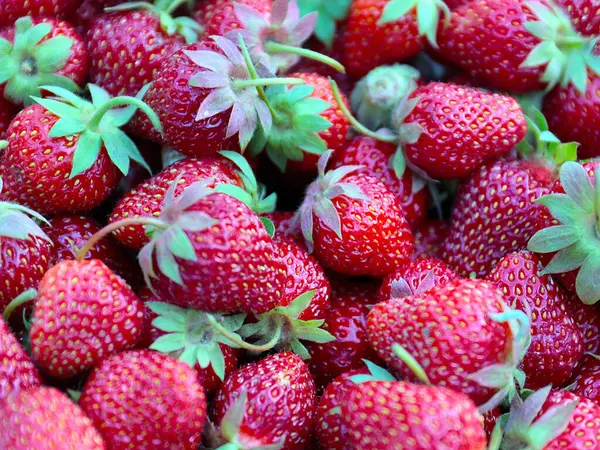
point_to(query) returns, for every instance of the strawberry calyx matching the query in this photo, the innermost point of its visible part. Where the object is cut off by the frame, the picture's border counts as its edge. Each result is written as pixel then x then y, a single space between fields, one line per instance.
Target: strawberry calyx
pixel 19 222
pixel 23 298
pixel 191 337
pixel 401 289
pixel 428 15
pixel 376 373
pixel 329 13
pixel 377 94
pixel 297 121
pixel 566 54
pixel 319 194
pixel 576 240
pixel 188 28
pixel 98 124
pixel 28 64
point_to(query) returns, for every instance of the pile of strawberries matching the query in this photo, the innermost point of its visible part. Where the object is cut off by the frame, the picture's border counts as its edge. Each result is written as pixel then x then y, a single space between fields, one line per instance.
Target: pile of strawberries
pixel 299 224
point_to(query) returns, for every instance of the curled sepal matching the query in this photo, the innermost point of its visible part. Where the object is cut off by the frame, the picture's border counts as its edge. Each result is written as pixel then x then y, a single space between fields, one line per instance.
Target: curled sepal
pixel 19 222
pixel 283 322
pixel 376 373
pixel 428 15
pixel 401 289
pixel 329 13
pixel 171 240
pixel 523 431
pixel 416 368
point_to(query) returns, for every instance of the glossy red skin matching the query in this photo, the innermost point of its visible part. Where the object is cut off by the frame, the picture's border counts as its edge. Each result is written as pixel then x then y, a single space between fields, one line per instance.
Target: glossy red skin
pixel 237 268
pixel 45 419
pixel 487 39
pixel 367 44
pixel 329 427
pixel 576 117
pixel 76 67
pixel 556 342
pixel 11 10
pixel 429 238
pixel 88 11
pixel 587 318
pixel 414 272
pixel 17 371
pixel 83 313
pixel 176 103
pixel 375 157
pixel 380 414
pixel 218 16
pixel 374 245
pixel 147 199
pixel 583 429
pixel 462 128
pixel 585 15
pixel 127 50
pixel 145 400
pixel 7 112
pixel 493 215
pixel 281 401
pixel 489 420
pixel 586 379
pixel 39 179
pixel 453 320
pixel 23 263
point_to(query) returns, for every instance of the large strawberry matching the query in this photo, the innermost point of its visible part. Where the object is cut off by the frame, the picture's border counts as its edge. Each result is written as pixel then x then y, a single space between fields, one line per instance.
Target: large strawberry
pixel 516 45
pixel 43 418
pixel 11 10
pixel 128 47
pixel 272 401
pixel 66 154
pixel 145 400
pixel 38 52
pixel 586 379
pixel 353 223
pixel 556 342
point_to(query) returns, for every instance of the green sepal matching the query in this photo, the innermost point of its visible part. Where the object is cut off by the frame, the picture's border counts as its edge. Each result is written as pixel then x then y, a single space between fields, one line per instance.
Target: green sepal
pixel 269 226
pixel 329 13
pixel 376 373
pixel 74 395
pixel 19 222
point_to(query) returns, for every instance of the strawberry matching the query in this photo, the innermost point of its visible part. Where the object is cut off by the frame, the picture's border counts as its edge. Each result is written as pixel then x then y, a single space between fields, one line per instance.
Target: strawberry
pixel 83 313
pixel 376 157
pixel 17 371
pixel 7 112
pixel 66 154
pixel 88 11
pixel 515 45
pixel 585 15
pixel 128 47
pixel 586 379
pixel 145 400
pixel 11 10
pixel 587 318
pixel 219 17
pixel 45 419
pixel 415 277
pixel 268 402
pixel 37 52
pixel 556 342
pixel 429 238
pixel 459 333
pixel 354 223
pixel 284 222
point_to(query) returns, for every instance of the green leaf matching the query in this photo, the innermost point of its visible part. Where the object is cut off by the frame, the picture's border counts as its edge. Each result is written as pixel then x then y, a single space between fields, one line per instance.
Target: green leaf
pixel 168 324
pixel 168 343
pixel 312 123
pixel 575 72
pixel 66 126
pixel 8 68
pixel 86 153
pixel 299 349
pixel 299 92
pixel 300 303
pixel 217 361
pixel 166 263
pixel 20 88
pixel 577 185
pixel 541 54
pixel 395 9
pixel 314 334
pixel 311 143
pixel 398 162
pixel 180 244
pixel 562 208
pixel 61 109
pixel 167 309
pixel 325 30
pixel 99 95
pixel 235 192
pixel 379 372
pixel 326 212
pixel 53 54
pixel 116 149
pixel 587 283
pixel 130 149
pixel 565 260
pixel 188 356
pixel 552 239
pixel 5 47
pixel 65 92
pixel 540 30
pixel 269 226
pixel 35 33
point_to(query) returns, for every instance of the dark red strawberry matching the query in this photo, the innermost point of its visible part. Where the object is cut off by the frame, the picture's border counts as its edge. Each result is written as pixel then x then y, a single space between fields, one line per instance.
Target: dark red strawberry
pixel 556 342
pixel 586 379
pixel 7 112
pixel 264 403
pixel 143 399
pixel 587 318
pixel 38 52
pixel 376 157
pixel 11 10
pixel 585 15
pixel 88 11
pixel 127 48
pixel 354 223
pixel 415 277
pixel 490 419
pixel 45 419
pixel 429 238
pixel 83 313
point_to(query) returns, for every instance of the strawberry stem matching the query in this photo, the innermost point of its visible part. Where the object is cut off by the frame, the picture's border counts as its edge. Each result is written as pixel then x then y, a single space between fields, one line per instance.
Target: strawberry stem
pixel 21 299
pixel 276 47
pixel 240 84
pixel 94 122
pixel 243 344
pixel 412 363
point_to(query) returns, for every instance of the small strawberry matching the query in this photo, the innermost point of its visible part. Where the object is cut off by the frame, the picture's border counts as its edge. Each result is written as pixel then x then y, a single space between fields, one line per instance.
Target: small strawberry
pixel 7 112
pixel 268 402
pixel 11 10
pixel 38 52
pixel 67 154
pixel 43 418
pixel 429 238
pixel 585 15
pixel 83 313
pixel 145 400
pixel 556 342
pixel 354 223
pixel 586 378
pixel 128 46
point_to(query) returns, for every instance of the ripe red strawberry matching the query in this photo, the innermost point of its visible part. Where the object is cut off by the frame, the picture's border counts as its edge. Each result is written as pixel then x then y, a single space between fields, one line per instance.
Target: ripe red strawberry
pixel 556 342
pixel 415 277
pixel 45 419
pixel 67 154
pixel 264 403
pixel 587 318
pixel 83 313
pixel 375 157
pixel 586 379
pixel 37 52
pixel 11 10
pixel 380 414
pixel 429 238
pixel 585 15
pixel 515 45
pixel 127 48
pixel 145 400
pixel 353 223
pixel 218 17
pixel 7 112
pixel 447 131
pixel 458 333
pixel 17 371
